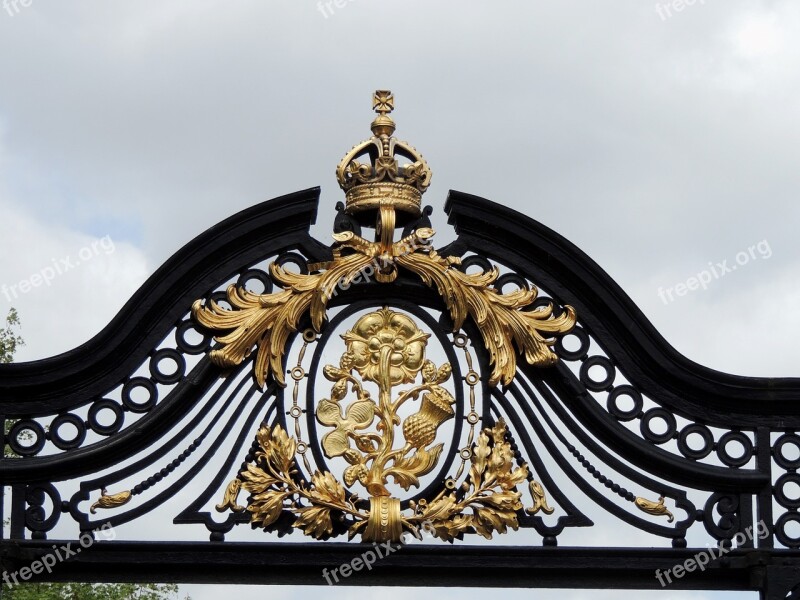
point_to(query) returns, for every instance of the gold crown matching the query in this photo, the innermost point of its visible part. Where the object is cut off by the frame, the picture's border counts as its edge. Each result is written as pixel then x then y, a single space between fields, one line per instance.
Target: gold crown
pixel 383 179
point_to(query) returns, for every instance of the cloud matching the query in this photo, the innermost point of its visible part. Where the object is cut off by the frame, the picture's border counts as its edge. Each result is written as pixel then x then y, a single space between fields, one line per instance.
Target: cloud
pixel 65 285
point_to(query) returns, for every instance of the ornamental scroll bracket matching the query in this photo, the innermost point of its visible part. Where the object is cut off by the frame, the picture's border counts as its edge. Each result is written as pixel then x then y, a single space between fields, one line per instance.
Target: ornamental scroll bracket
pixel 385 348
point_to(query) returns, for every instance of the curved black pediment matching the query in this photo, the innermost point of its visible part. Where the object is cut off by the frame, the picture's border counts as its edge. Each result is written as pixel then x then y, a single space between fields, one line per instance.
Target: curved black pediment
pixel 66 381
pixel 527 246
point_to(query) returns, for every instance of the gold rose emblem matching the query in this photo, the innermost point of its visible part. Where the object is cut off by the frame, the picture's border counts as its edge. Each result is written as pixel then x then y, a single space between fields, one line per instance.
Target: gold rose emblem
pixel 386 345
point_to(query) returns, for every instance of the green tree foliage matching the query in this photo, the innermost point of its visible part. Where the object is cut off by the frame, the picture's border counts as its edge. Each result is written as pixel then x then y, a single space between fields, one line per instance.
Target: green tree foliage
pixel 9 342
pixel 89 591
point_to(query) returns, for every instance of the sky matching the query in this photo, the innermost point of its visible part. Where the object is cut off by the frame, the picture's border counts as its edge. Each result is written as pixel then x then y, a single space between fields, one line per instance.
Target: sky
pixel 661 141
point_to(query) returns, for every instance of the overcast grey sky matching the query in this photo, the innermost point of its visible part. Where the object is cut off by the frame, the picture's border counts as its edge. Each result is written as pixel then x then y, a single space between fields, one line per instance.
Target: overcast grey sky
pixel 656 140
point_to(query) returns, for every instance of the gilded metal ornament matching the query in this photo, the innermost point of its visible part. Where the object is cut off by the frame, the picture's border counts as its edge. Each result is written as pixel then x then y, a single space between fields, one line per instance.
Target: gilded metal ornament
pixel 404 436
pixel 267 320
pixel 657 509
pixel 109 501
pixel 500 317
pixel 487 501
pixel 539 500
pixel 368 186
pixel 386 349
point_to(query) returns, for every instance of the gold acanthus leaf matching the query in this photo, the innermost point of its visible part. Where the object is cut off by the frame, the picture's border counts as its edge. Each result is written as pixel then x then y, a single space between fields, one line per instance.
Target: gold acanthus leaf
pixel 267 320
pixel 499 317
pixel 231 499
pixel 539 500
pixel 406 471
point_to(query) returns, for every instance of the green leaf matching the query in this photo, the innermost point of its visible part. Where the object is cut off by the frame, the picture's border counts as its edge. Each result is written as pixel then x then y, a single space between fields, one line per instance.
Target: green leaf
pixel 91 591
pixel 9 340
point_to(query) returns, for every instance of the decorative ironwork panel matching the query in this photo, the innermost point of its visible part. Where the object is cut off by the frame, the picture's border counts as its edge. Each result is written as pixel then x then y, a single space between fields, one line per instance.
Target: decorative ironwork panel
pixel 381 391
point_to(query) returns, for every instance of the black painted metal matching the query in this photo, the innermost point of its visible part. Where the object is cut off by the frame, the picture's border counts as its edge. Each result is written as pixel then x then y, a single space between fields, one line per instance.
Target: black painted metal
pixel 140 406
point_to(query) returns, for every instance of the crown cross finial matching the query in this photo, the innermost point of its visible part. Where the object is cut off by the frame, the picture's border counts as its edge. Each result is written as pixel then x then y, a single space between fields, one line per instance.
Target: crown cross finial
pixel 383 102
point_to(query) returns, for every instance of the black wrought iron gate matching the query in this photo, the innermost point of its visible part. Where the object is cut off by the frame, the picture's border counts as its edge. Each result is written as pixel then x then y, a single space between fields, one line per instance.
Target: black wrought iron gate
pixel 410 399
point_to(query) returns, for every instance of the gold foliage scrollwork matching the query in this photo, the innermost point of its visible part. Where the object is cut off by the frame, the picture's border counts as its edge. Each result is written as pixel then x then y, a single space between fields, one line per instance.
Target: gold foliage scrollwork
pixel 267 320
pixel 489 493
pixel 274 488
pixel 500 317
pixel 487 502
pixel 385 348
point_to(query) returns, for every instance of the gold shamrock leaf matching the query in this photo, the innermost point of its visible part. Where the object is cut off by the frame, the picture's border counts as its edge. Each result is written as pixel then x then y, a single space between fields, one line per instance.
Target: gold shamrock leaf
pixel 359 415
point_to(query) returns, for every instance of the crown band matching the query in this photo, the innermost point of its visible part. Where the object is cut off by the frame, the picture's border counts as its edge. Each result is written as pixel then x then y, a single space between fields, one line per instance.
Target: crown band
pixel 369 196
